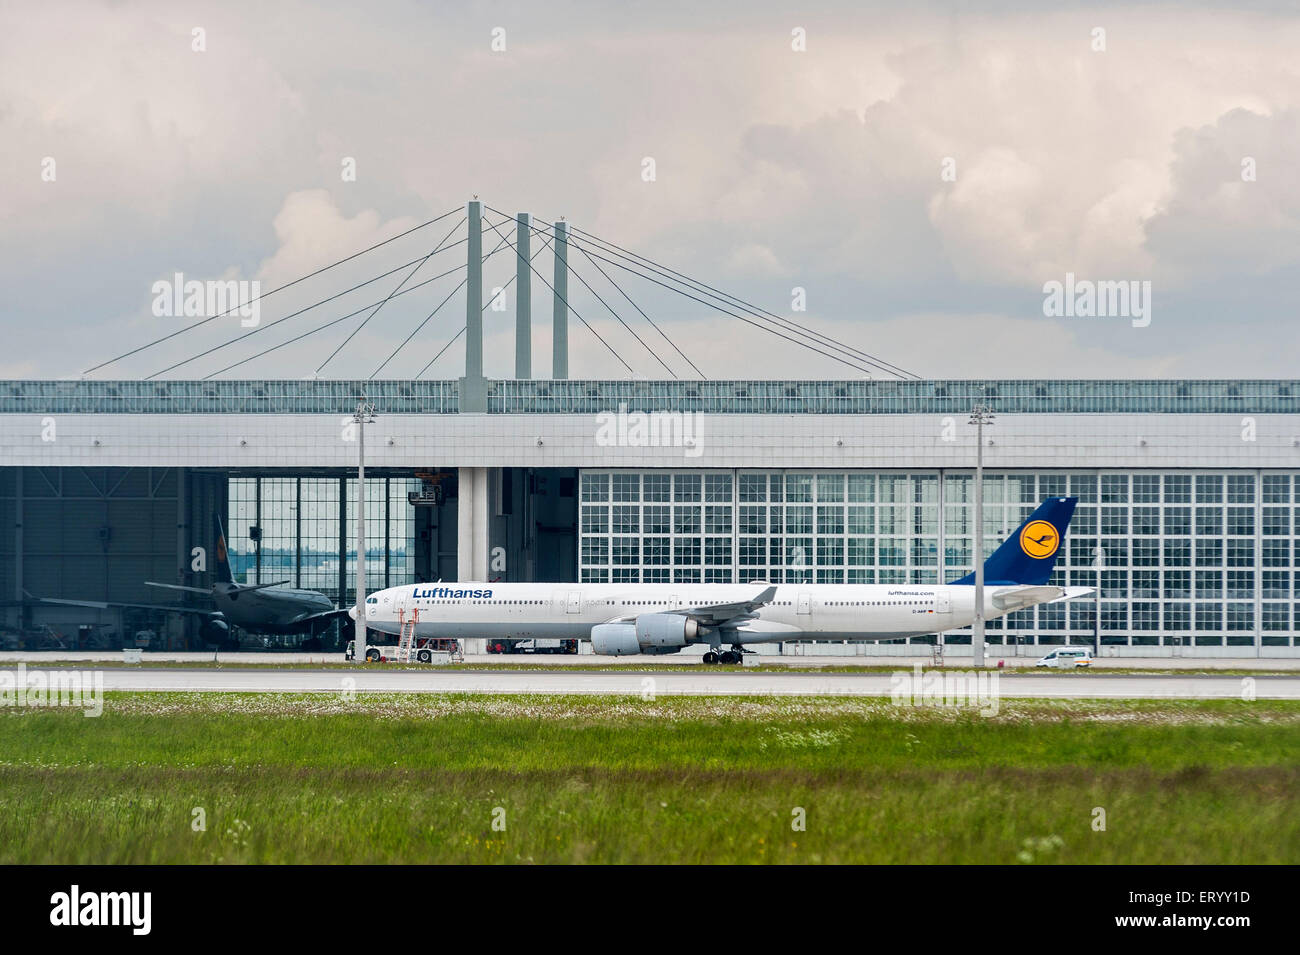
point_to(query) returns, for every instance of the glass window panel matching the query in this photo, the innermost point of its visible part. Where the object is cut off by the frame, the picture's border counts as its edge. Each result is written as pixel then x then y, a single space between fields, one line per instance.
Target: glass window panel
pixel 753 487
pixel 320 535
pixel 1277 489
pixel 717 487
pixel 830 487
pixel 656 487
pixel 1241 489
pixel 830 520
pixel 595 487
pixel 717 520
pixel 861 520
pixel 798 487
pixel 861 488
pixel 627 487
pixel 655 519
pixel 1178 488
pixel 1146 489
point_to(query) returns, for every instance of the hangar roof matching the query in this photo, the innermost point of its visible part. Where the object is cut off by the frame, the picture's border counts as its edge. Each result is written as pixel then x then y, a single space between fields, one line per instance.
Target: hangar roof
pixel 510 396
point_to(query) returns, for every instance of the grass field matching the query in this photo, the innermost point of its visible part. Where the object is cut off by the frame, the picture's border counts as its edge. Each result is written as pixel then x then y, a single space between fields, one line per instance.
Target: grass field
pixel 421 778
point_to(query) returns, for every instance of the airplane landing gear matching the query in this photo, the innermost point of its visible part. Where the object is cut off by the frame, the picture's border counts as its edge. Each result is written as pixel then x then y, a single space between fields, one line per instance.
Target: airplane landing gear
pixel 724 657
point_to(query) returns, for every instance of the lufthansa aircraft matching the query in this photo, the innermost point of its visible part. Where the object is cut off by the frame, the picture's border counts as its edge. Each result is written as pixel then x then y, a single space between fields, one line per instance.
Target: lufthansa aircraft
pixel 258 608
pixel 622 619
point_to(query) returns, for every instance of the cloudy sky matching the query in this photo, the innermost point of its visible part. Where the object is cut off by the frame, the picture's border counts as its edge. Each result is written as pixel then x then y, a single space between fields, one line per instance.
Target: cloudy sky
pixel 920 171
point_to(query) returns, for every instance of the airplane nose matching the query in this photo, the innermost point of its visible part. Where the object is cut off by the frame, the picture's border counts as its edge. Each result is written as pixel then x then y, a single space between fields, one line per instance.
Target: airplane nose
pixel 352 612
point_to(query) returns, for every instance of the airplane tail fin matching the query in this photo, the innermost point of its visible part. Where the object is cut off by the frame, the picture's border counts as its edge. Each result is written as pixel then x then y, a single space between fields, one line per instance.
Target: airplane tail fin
pixel 1029 554
pixel 223 557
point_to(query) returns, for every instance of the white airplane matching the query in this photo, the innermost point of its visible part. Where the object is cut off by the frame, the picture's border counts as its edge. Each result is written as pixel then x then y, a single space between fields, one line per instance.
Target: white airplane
pixel 621 619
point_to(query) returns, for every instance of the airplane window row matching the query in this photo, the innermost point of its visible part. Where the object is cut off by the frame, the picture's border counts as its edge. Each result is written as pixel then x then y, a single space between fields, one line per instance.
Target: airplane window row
pixel 874 603
pixel 430 600
pixel 665 603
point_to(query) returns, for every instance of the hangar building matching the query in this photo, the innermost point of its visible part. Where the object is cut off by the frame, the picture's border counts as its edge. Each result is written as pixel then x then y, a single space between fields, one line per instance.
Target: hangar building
pixel 1190 489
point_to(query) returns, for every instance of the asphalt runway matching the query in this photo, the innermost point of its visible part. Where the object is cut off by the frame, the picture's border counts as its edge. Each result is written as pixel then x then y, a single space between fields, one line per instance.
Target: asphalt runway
pixel 686 659
pixel 701 682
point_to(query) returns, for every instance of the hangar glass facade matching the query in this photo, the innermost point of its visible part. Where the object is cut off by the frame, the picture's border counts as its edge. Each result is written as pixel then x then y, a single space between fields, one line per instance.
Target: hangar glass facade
pixel 300 523
pixel 1188 558
pixel 578 396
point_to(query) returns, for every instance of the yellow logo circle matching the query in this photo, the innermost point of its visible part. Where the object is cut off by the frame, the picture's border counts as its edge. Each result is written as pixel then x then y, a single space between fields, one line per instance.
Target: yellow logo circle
pixel 1039 539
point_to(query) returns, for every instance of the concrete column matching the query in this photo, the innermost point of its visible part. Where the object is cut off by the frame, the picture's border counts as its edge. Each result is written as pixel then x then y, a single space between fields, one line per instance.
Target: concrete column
pixel 183 544
pixel 464 523
pixel 560 333
pixel 472 524
pixel 472 535
pixel 523 297
pixel 186 625
pixel 474 293
pixel 482 507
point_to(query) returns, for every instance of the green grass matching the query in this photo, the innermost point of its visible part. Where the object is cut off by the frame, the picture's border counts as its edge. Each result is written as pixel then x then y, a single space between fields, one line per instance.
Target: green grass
pixel 416 778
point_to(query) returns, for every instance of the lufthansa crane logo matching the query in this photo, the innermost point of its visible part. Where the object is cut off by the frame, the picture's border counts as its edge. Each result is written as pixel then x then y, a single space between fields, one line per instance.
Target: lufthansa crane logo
pixel 1039 539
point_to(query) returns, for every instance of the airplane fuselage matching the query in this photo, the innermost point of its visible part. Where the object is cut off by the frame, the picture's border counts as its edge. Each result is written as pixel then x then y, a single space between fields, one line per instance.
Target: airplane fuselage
pixel 797 611
pixel 272 610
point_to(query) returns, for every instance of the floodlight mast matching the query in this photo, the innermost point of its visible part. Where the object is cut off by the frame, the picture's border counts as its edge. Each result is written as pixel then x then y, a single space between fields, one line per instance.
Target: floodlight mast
pixel 364 415
pixel 1099 553
pixel 980 415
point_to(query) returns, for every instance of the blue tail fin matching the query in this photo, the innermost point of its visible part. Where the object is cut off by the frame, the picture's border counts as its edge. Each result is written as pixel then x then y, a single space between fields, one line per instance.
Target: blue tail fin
pixel 1028 555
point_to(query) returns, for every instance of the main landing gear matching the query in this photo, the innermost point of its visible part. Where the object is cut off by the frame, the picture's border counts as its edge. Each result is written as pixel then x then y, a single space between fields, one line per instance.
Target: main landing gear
pixel 724 657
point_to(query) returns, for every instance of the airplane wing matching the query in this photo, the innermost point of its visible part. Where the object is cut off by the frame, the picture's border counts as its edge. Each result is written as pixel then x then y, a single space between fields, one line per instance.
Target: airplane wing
pixel 713 615
pixel 107 604
pixel 1018 598
pixel 245 588
pixel 193 590
pixel 323 615
pixel 717 615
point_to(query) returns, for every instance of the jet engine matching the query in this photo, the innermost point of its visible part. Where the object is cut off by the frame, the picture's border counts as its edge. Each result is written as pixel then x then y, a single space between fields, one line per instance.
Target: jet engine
pixel 665 630
pixel 216 632
pixel 215 629
pixel 614 639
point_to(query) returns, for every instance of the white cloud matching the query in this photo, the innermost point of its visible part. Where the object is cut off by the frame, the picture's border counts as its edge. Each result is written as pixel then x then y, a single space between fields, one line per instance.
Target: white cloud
pixel 1214 222
pixel 775 168
pixel 313 232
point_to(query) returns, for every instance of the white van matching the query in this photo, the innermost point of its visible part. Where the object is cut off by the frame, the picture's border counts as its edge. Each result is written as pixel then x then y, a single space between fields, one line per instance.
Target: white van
pixel 1067 658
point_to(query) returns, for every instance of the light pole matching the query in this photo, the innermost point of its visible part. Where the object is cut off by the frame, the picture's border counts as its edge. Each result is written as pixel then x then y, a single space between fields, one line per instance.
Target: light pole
pixel 365 414
pixel 980 415
pixel 1100 563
